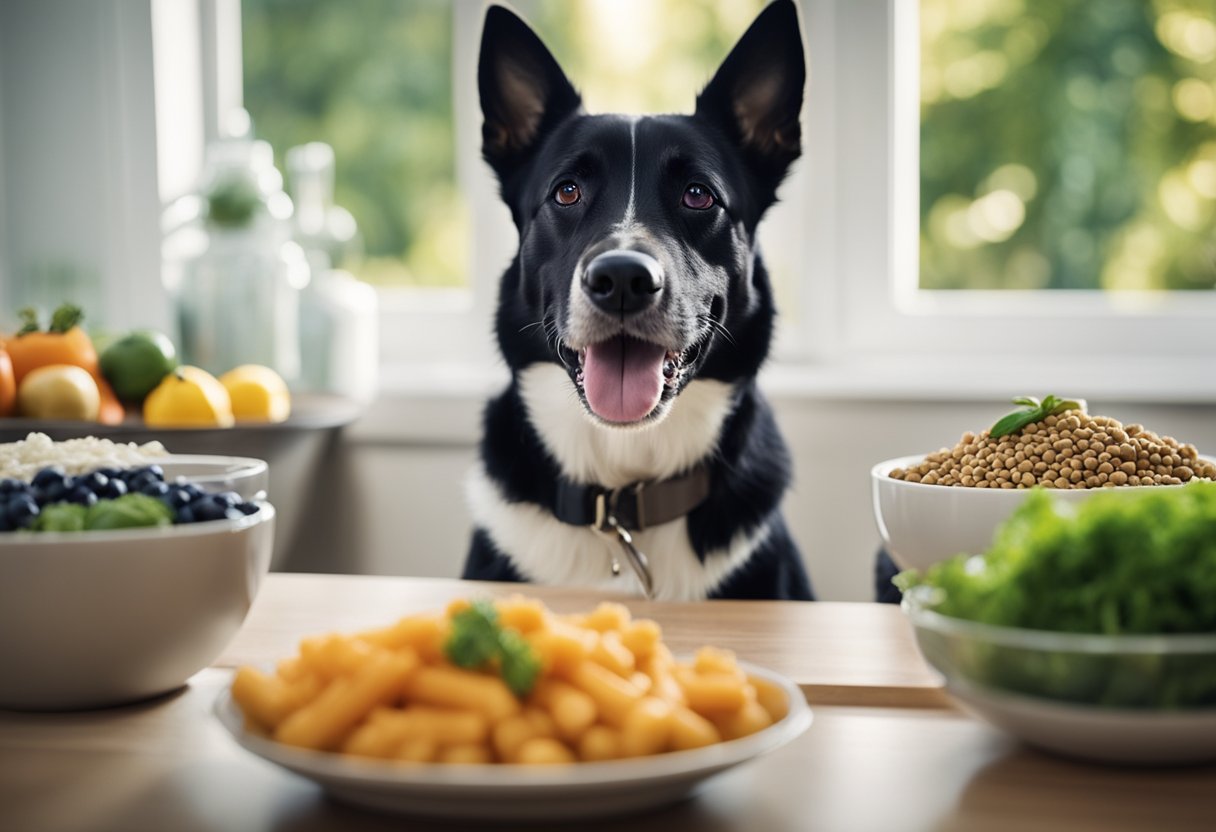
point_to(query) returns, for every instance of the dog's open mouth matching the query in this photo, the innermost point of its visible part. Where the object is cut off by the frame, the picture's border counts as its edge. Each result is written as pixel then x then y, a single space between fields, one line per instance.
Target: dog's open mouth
pixel 623 378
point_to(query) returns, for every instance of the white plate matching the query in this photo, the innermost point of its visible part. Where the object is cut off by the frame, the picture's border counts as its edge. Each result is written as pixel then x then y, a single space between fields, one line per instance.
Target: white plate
pixel 1108 735
pixel 509 792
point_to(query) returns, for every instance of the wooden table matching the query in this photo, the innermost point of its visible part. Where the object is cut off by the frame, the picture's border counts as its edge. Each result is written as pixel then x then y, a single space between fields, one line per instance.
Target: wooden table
pixel 886 751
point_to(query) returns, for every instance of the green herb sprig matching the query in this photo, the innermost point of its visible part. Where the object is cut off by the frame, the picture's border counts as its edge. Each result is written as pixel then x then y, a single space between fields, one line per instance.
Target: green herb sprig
pixel 478 641
pixel 1032 411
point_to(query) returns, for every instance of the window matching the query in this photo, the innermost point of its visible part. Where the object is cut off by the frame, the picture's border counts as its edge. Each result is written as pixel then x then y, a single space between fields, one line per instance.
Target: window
pixel 891 318
pixel 1068 145
pixel 928 232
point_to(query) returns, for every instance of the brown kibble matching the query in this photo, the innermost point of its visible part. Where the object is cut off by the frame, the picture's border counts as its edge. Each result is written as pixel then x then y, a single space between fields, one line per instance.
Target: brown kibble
pixel 1072 450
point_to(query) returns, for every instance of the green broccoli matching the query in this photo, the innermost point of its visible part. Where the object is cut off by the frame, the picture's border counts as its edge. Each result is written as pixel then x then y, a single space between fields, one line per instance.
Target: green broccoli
pixel 478 641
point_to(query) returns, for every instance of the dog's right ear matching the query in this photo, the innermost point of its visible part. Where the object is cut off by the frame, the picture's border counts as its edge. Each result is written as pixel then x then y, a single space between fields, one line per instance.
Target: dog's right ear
pixel 524 93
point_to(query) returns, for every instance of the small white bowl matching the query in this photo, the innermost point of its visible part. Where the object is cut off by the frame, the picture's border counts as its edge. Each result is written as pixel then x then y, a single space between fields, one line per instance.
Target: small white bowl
pixel 921 524
pixel 92 619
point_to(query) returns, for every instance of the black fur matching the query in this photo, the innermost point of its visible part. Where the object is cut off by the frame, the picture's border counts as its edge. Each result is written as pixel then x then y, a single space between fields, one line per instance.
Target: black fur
pixel 715 312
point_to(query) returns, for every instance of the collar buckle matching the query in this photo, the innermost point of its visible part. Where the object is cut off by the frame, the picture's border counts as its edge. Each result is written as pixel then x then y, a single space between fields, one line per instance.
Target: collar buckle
pixel 608 508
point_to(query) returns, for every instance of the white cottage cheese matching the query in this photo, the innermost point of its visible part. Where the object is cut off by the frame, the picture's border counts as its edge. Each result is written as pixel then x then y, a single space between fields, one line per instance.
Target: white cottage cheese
pixel 21 460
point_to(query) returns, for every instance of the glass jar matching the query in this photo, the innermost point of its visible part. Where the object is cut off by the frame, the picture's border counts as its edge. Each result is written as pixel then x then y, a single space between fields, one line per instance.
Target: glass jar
pixel 233 272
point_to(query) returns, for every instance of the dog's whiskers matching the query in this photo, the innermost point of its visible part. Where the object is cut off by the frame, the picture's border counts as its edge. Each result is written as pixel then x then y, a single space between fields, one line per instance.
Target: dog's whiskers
pixel 717 326
pixel 552 337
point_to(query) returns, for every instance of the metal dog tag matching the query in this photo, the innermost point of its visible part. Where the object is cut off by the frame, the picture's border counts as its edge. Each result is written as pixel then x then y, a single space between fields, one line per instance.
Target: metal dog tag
pixel 635 558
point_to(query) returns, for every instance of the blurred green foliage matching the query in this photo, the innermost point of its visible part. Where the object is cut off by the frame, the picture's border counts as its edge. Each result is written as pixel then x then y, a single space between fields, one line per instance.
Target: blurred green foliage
pixel 1068 144
pixel 373 78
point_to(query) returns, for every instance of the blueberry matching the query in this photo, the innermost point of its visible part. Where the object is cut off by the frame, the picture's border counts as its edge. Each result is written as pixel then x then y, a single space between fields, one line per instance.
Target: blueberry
pixel 52 492
pixel 177 498
pixel 155 489
pixel 48 476
pixel 10 486
pixel 81 495
pixel 207 509
pixel 5 525
pixel 111 473
pixel 185 514
pixel 155 470
pixel 193 490
pixel 139 482
pixel 22 511
pixel 227 499
pixel 247 508
pixel 95 481
pixel 112 490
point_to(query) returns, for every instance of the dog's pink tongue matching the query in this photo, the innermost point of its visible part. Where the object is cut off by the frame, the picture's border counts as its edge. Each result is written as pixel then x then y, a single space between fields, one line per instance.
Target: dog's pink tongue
pixel 623 378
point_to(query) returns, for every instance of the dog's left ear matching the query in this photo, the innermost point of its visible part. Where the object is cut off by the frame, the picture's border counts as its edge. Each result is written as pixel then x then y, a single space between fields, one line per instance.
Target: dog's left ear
pixel 524 93
pixel 756 95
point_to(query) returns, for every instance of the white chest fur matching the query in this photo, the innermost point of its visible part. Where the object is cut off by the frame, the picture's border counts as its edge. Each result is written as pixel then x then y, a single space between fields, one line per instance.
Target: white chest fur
pixel 549 551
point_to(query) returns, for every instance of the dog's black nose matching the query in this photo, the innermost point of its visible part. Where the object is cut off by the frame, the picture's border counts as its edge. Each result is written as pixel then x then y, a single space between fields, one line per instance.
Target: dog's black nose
pixel 623 281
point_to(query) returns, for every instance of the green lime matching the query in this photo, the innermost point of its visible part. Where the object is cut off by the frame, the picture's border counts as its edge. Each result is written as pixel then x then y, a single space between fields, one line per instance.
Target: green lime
pixel 137 362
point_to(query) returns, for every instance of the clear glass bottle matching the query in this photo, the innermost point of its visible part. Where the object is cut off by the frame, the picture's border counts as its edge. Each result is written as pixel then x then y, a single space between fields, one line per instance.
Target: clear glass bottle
pixel 233 272
pixel 339 335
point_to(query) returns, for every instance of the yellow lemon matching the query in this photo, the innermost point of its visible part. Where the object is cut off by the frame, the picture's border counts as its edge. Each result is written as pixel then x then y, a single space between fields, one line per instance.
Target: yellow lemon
pixel 188 398
pixel 258 394
pixel 59 391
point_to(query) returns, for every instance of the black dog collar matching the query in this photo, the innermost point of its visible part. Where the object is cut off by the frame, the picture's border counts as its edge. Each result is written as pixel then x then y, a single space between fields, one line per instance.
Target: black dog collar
pixel 634 507
pixel 616 512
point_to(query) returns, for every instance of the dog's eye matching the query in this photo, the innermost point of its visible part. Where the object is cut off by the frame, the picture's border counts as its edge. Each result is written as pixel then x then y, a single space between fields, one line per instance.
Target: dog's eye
pixel 567 193
pixel 698 197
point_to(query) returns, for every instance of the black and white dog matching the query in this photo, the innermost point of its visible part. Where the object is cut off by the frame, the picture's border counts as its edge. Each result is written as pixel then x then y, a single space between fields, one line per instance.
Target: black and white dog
pixel 634 319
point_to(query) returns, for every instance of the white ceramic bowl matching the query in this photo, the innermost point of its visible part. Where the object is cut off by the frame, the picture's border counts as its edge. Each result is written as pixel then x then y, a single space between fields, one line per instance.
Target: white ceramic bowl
pixel 496 793
pixel 91 619
pixel 922 524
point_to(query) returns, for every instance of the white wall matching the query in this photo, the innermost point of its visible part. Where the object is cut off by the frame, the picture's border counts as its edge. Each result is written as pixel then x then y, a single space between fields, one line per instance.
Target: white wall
pixel 399 506
pixel 81 213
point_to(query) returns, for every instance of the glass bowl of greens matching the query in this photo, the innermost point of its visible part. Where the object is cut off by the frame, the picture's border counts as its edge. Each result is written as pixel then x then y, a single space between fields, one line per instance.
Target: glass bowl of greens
pixel 1086 628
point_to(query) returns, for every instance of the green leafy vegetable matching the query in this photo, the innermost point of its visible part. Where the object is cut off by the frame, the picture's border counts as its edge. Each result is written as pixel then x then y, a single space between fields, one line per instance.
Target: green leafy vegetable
pixel 129 511
pixel 1120 564
pixel 65 317
pixel 519 665
pixel 1033 411
pixel 61 517
pixel 478 641
pixel 29 321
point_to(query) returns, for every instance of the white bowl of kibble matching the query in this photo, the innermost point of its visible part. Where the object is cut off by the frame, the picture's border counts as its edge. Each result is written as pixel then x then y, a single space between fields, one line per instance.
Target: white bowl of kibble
pixel 931 507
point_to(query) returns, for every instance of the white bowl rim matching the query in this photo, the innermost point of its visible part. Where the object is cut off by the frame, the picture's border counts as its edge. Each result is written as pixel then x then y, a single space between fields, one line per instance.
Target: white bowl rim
pixel 241 465
pixel 181 531
pixel 880 472
pixel 916 604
